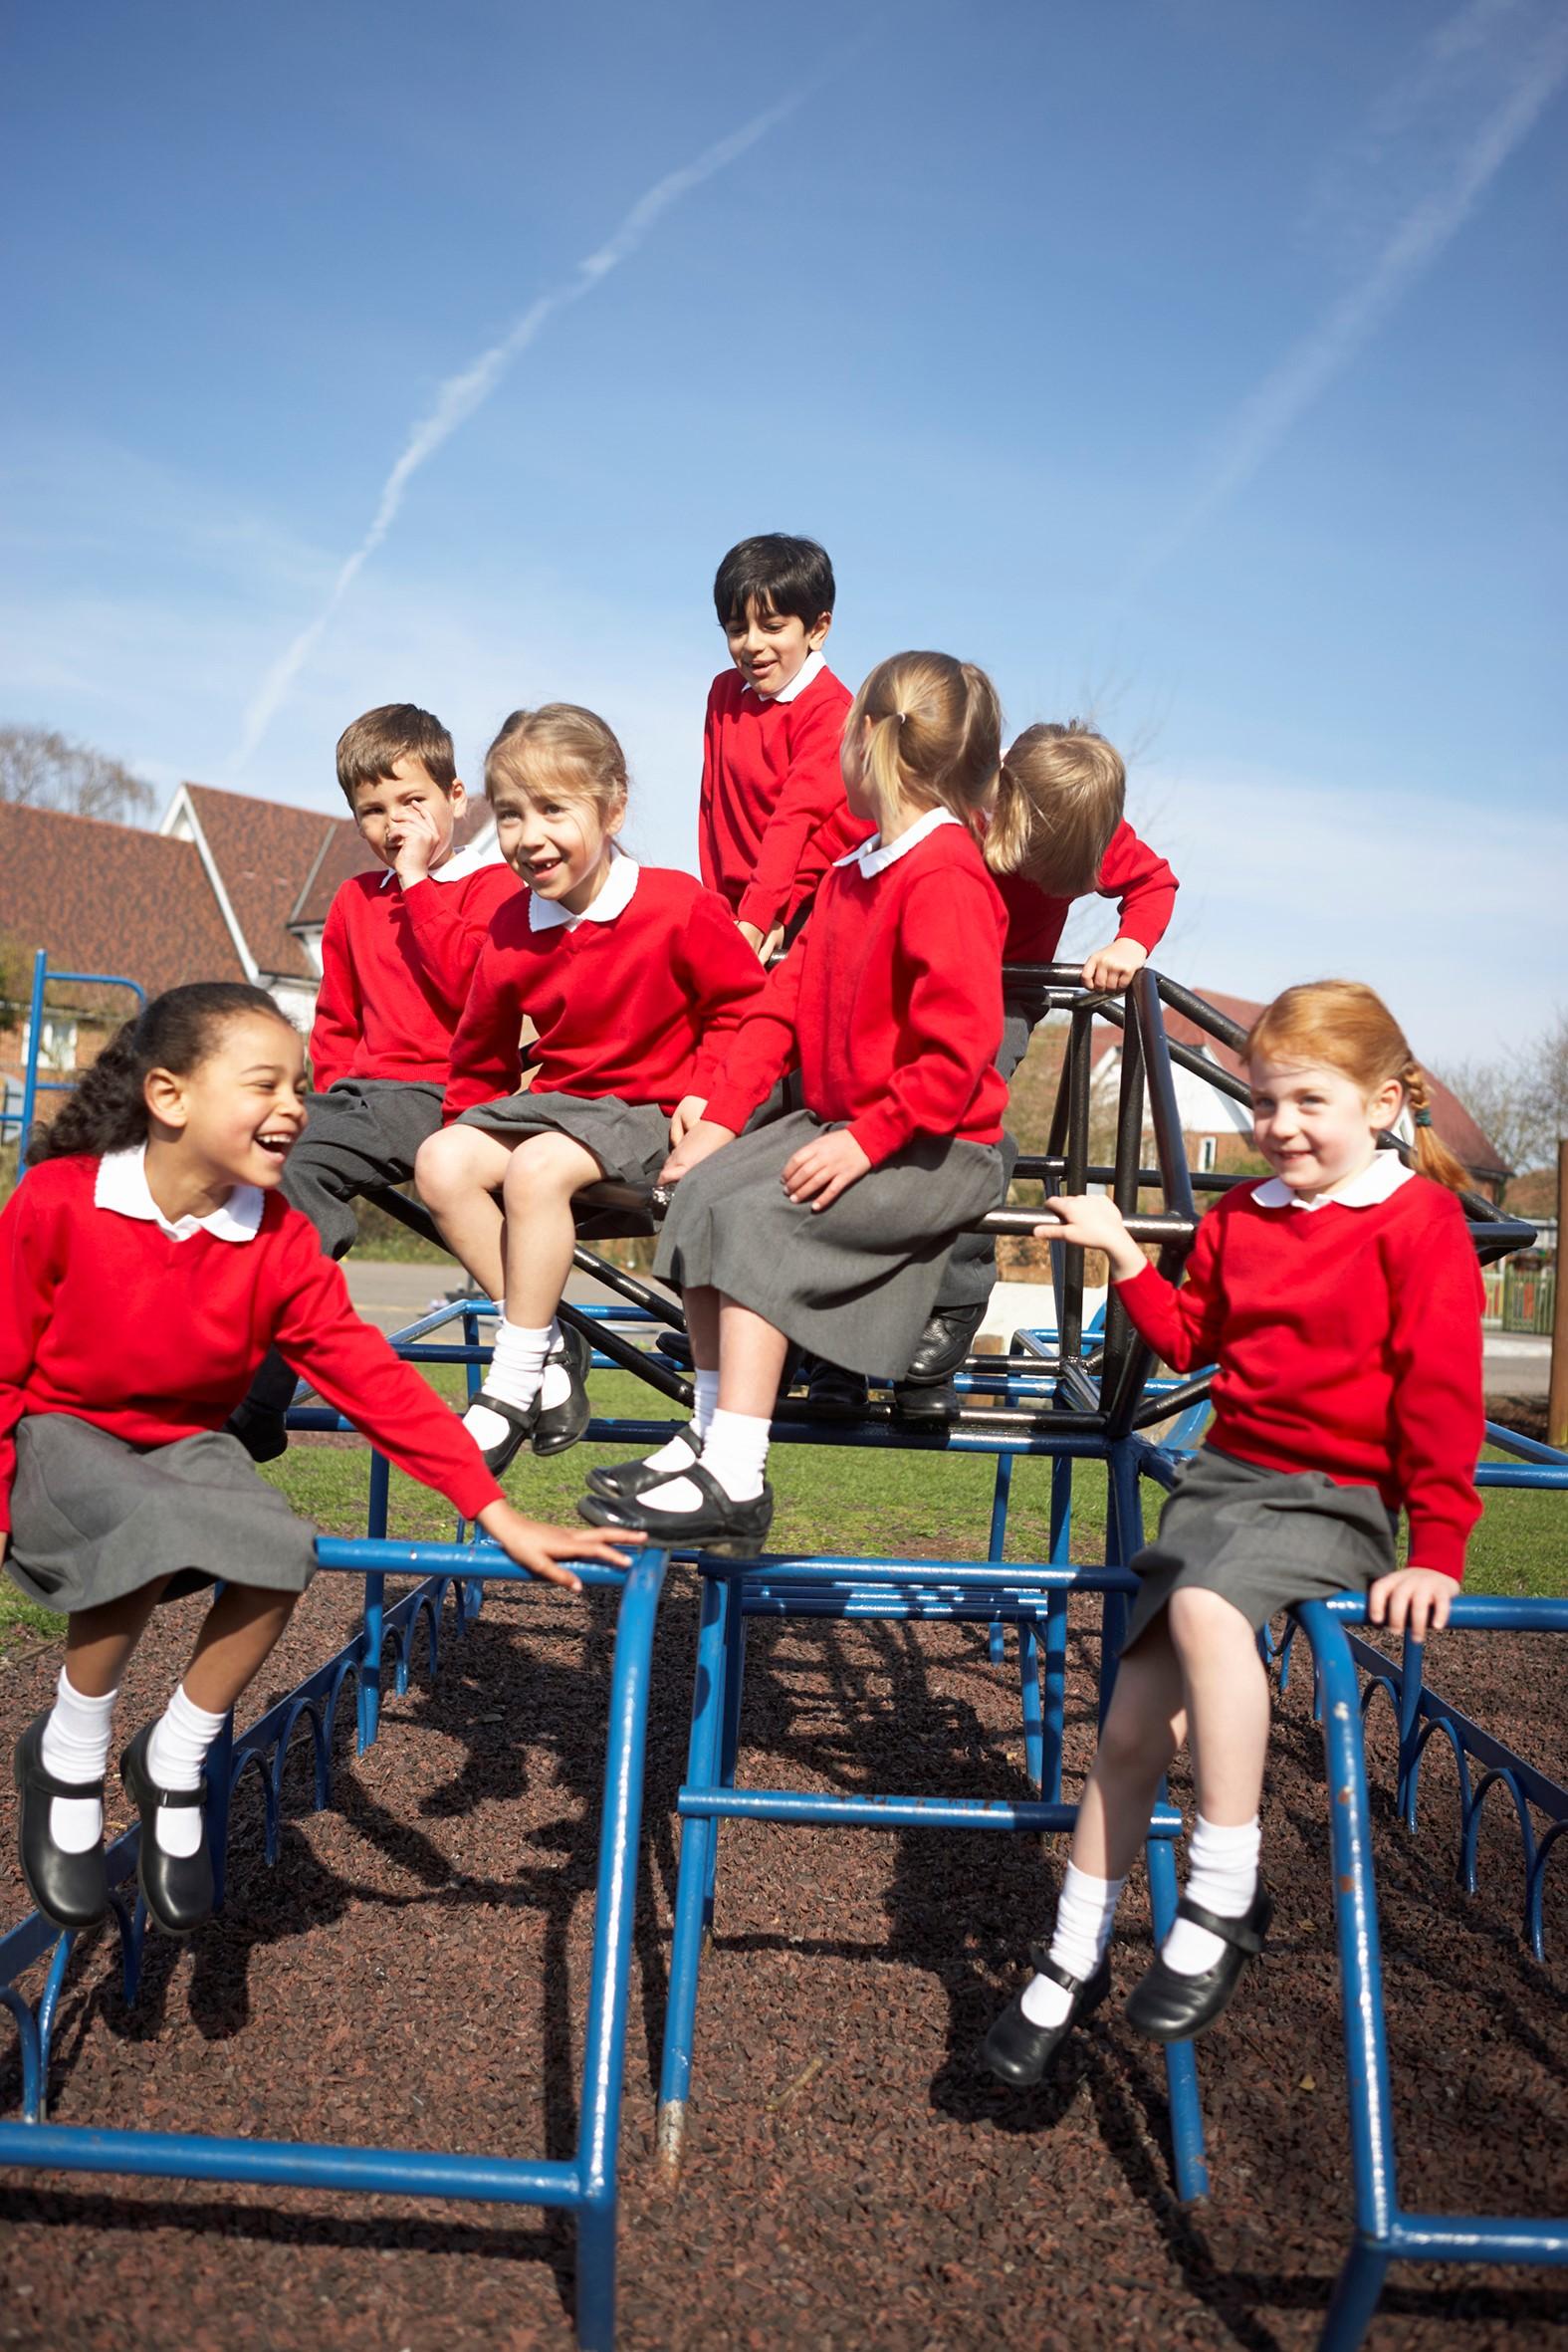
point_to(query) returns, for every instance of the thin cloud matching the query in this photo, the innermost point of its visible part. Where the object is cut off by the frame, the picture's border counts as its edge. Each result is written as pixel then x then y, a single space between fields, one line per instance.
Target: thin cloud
pixel 460 395
pixel 1532 78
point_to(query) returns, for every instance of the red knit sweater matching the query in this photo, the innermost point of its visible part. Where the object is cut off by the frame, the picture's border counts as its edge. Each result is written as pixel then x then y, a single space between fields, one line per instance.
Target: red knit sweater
pixel 105 1318
pixel 395 969
pixel 1130 871
pixel 1347 1340
pixel 641 1007
pixel 890 1001
pixel 773 815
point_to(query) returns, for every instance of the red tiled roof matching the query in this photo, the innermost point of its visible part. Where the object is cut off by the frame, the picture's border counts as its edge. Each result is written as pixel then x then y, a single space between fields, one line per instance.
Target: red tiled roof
pixel 266 853
pixel 109 898
pixel 1452 1124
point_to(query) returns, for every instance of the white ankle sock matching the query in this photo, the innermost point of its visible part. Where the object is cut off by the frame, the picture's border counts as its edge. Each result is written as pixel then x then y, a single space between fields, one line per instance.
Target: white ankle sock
pixel 516 1374
pixel 1085 1915
pixel 735 1451
pixel 705 1401
pixel 75 1748
pixel 1222 1876
pixel 684 1447
pixel 176 1753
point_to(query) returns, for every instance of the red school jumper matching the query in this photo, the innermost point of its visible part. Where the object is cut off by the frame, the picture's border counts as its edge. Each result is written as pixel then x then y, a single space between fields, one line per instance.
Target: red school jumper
pixel 1348 1340
pixel 1130 871
pixel 639 1003
pixel 395 969
pixel 773 817
pixel 890 1000
pixel 107 1319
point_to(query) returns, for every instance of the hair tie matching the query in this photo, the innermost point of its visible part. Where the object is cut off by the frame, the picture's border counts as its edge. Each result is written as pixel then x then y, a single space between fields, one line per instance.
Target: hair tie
pixel 900 715
pixel 1423 1119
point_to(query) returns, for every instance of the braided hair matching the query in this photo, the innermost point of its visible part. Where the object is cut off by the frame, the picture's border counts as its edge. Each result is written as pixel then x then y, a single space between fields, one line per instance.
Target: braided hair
pixel 108 1109
pixel 1346 1025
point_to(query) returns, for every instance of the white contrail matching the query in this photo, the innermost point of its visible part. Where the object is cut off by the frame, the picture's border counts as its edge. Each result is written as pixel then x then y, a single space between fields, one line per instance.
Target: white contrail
pixel 460 395
pixel 1266 416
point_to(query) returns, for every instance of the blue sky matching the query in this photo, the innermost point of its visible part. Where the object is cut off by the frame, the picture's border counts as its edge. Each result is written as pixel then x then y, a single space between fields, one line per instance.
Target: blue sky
pixel 1194 363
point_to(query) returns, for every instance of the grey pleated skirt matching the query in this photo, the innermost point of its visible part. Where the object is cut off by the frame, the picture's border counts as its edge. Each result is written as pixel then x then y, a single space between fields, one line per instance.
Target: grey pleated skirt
pixel 1261 1539
pixel 630 1140
pixel 93 1518
pixel 855 1283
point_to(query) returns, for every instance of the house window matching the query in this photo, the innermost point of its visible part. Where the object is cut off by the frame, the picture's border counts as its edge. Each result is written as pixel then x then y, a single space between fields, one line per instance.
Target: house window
pixel 56 1042
pixel 1207 1148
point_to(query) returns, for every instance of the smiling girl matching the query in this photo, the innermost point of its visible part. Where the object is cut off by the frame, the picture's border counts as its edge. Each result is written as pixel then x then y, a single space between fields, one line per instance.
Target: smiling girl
pixel 633 978
pixel 1341 1300
pixel 149 1261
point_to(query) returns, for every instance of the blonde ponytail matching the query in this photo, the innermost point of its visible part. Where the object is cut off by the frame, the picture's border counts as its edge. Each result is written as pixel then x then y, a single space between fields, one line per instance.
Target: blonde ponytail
pixel 1432 1156
pixel 926 730
pixel 1059 800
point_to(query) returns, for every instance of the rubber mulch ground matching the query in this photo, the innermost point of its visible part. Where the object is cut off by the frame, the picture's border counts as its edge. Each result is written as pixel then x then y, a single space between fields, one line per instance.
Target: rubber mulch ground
pixel 414 1971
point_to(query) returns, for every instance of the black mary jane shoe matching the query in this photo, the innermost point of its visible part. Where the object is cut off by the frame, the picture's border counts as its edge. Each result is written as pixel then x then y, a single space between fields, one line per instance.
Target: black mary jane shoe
pixel 623 1482
pixel 1021 2053
pixel 71 1890
pixel 831 1385
pixel 177 1888
pixel 520 1420
pixel 556 1427
pixel 717 1525
pixel 1172 2008
pixel 929 1404
pixel 943 1346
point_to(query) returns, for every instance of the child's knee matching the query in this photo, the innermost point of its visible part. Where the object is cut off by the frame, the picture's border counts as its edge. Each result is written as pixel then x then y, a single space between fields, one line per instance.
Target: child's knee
pixel 546 1167
pixel 440 1164
pixel 1199 1619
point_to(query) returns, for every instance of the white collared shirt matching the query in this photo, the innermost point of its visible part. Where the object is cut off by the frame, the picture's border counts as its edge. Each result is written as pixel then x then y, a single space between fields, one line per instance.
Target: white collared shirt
pixel 456 868
pixel 122 1185
pixel 812 668
pixel 1378 1181
pixel 873 858
pixel 546 915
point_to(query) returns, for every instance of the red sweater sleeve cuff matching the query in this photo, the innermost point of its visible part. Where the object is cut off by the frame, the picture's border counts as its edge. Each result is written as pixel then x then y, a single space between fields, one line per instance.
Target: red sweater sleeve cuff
pixel 473 1491
pixel 879 1134
pixel 1436 1544
pixel 762 904
pixel 1146 926
pixel 729 1107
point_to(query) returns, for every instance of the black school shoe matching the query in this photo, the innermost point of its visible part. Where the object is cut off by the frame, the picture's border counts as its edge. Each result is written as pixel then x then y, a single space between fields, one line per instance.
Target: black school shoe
pixel 830 1384
pixel 1172 2008
pixel 520 1420
pixel 557 1427
pixel 623 1482
pixel 719 1524
pixel 177 1888
pixel 1022 2054
pixel 943 1346
pixel 71 1890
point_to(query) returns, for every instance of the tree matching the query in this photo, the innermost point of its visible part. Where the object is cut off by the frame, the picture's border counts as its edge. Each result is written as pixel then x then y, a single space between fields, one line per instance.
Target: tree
pixel 40 769
pixel 1520 1099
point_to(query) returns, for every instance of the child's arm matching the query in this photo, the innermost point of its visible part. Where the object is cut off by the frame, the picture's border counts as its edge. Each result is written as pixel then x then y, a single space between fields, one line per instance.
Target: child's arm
pixel 950 979
pixel 761 1051
pixel 1184 1325
pixel 339 1026
pixel 451 923
pixel 1439 1407
pixel 812 793
pixel 32 1258
pixel 721 980
pixel 485 1059
pixel 1145 885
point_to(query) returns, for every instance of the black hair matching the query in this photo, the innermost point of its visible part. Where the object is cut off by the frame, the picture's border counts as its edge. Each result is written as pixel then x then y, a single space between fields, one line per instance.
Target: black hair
pixel 108 1109
pixel 781 574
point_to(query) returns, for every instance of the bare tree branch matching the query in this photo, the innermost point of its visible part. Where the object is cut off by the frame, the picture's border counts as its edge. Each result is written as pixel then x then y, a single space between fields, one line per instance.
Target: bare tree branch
pixel 41 768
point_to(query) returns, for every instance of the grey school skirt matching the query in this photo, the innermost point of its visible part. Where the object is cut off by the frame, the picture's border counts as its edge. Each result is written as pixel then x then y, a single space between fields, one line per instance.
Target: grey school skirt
pixel 854 1283
pixel 630 1140
pixel 93 1518
pixel 1261 1539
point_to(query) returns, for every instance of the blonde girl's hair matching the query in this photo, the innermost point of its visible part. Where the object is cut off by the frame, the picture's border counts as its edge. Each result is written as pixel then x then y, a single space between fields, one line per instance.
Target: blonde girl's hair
pixel 1346 1025
pixel 935 736
pixel 565 746
pixel 1060 799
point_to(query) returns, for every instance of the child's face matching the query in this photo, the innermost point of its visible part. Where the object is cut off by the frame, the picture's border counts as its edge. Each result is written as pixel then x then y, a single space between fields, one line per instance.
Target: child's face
pixel 1313 1126
pixel 386 810
pixel 768 648
pixel 554 839
pixel 238 1114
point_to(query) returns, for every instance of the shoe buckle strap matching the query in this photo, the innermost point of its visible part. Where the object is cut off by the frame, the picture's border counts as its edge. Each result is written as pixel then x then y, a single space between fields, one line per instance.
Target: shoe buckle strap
pixel 1240 1933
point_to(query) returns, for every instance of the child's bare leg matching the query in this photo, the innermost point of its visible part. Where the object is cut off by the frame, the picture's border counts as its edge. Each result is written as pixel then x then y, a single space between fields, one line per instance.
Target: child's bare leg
pixel 99 1642
pixel 76 1740
pixel 239 1630
pixel 540 1235
pixel 701 1327
pixel 460 1173
pixel 750 1361
pixel 1227 1713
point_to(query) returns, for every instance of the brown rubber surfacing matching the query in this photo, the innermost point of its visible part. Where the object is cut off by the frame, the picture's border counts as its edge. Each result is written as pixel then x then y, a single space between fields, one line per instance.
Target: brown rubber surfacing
pixel 414 1973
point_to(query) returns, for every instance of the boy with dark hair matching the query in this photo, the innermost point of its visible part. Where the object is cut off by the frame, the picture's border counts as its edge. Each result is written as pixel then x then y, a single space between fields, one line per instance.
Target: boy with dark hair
pixel 773 815
pixel 399 950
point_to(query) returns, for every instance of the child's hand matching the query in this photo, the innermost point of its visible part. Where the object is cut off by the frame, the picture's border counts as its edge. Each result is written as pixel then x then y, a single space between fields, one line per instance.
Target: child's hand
pixel 818 1172
pixel 766 945
pixel 685 1117
pixel 695 1145
pixel 541 1548
pixel 1114 966
pixel 415 845
pixel 1092 1221
pixel 1411 1600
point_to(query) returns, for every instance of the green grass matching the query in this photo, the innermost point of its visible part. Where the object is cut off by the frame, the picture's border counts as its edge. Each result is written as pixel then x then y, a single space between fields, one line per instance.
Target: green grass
pixel 837 1499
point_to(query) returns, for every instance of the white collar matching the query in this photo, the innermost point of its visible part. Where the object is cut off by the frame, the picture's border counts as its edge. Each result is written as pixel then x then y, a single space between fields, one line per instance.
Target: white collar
pixel 872 858
pixel 455 868
pixel 122 1185
pixel 810 670
pixel 1378 1181
pixel 546 915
